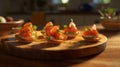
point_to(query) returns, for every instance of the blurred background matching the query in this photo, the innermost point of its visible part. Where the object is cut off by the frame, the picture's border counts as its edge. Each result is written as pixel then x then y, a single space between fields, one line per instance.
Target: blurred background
pixel 83 12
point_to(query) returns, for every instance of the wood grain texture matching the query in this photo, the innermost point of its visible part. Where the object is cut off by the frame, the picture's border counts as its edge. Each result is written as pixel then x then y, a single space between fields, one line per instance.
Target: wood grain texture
pixel 69 49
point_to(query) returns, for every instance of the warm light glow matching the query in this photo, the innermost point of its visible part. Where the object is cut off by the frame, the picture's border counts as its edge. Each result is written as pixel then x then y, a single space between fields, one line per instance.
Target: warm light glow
pixel 64 1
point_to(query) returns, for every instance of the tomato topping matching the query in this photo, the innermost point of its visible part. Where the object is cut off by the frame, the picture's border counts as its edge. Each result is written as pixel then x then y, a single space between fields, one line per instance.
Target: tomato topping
pixel 66 30
pixel 48 27
pixel 95 32
pixel 28 24
pixel 26 30
pixel 49 24
pixel 48 31
pixel 54 30
pixel 72 28
pixel 60 36
pixel 91 32
pixel 57 35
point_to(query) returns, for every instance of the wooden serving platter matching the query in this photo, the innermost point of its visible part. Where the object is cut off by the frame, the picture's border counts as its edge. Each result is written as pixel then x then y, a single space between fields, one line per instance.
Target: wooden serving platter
pixel 44 50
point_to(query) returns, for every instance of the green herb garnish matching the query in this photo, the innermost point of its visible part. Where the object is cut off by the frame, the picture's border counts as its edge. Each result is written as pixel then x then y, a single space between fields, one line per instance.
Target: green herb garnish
pixel 90 36
pixel 87 29
pixel 59 30
pixel 49 38
pixel 65 26
pixel 34 27
pixel 70 33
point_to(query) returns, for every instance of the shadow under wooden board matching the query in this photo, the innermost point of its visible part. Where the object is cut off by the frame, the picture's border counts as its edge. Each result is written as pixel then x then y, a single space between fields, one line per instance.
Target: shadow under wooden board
pixel 43 50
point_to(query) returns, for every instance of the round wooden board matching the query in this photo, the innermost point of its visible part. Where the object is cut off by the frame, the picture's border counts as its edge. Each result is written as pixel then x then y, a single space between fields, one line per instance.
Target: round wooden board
pixel 69 49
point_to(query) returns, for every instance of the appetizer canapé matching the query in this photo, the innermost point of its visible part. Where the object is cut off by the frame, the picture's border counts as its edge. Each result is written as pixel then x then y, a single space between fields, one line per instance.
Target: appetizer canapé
pixel 47 28
pixel 91 34
pixel 53 33
pixel 27 33
pixel 71 30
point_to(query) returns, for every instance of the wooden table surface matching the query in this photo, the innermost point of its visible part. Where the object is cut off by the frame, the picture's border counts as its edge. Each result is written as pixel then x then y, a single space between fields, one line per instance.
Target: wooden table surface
pixel 110 57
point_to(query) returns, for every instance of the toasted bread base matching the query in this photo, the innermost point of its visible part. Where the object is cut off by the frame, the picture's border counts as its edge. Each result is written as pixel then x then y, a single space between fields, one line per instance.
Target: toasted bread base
pixel 23 39
pixel 96 39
